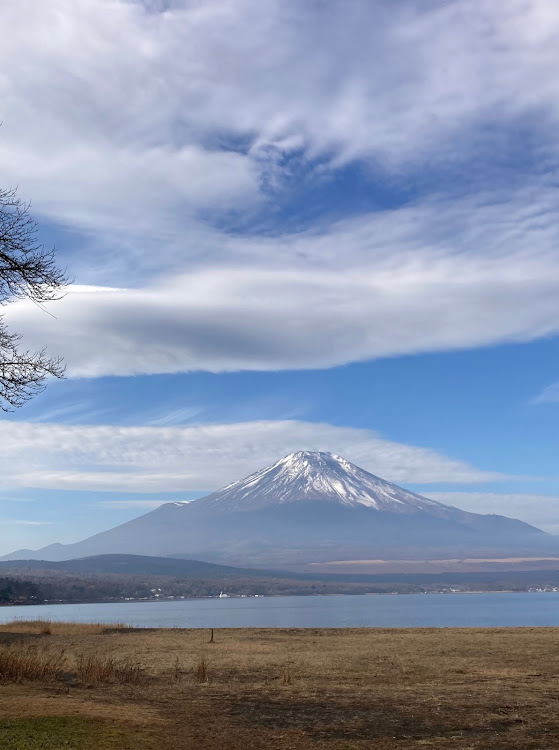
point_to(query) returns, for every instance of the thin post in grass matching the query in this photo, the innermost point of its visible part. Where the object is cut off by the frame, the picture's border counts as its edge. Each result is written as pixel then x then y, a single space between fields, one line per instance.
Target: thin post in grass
pixel 212 637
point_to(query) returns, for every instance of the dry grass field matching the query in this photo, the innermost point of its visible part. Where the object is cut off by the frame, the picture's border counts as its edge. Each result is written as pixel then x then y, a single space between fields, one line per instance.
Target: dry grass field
pixel 91 687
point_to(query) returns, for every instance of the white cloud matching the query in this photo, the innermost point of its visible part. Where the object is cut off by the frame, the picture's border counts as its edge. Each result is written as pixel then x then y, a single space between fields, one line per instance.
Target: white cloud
pixel 91 119
pixel 438 275
pixel 127 504
pixel 539 510
pixel 200 457
pixel 117 116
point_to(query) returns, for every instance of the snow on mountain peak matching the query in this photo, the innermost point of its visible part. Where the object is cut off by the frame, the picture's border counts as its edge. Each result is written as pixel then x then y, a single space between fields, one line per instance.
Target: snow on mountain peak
pixel 311 476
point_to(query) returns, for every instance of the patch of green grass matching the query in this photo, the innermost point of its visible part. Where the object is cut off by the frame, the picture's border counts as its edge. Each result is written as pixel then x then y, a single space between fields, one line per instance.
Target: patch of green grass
pixel 57 733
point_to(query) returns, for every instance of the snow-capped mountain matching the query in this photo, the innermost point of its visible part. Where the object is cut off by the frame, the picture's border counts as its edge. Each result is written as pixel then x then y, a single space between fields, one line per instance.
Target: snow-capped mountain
pixel 314 476
pixel 306 507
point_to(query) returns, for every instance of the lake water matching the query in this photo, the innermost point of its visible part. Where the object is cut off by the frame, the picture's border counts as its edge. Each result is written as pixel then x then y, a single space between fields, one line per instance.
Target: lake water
pixel 409 610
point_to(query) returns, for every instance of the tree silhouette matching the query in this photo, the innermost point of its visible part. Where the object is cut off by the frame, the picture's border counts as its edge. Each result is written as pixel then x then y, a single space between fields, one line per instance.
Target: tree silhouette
pixel 28 270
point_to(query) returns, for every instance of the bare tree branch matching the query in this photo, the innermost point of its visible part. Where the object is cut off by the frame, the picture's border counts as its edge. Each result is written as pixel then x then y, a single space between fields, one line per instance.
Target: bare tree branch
pixel 27 269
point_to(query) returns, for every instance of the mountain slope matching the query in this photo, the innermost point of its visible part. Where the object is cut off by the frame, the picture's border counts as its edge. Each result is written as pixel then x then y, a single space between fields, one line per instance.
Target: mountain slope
pixel 317 476
pixel 306 507
pixel 325 477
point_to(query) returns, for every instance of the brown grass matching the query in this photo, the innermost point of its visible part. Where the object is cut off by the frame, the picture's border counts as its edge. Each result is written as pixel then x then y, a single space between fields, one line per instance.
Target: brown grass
pixel 92 669
pixel 354 689
pixel 28 662
pixel 287 676
pixel 202 671
pixel 49 627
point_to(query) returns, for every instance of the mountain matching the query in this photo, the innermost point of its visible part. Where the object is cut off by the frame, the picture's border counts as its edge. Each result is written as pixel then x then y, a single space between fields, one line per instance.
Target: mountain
pixel 317 476
pixel 307 507
pixel 135 565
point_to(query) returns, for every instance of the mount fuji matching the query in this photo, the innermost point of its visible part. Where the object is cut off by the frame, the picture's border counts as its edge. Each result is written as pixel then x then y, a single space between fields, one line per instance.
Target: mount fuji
pixel 307 507
pixel 324 477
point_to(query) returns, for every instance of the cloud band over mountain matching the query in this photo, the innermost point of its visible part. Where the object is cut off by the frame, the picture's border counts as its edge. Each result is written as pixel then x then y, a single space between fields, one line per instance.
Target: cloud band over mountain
pixel 199 457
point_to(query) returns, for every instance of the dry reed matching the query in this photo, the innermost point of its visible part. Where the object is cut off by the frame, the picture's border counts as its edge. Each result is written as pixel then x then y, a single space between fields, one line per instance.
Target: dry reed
pixel 53 627
pixel 92 669
pixel 28 662
pixel 177 672
pixel 202 671
pixel 287 676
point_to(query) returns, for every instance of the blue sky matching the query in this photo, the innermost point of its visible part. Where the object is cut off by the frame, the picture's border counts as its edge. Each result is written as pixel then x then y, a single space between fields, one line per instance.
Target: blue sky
pixel 323 226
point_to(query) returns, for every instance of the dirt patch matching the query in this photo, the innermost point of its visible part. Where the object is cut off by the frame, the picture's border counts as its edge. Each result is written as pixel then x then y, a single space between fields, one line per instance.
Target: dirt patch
pixel 338 717
pixel 9 638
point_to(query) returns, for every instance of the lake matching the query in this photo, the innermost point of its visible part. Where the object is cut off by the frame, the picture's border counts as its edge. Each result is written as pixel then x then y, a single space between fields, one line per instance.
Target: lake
pixel 392 611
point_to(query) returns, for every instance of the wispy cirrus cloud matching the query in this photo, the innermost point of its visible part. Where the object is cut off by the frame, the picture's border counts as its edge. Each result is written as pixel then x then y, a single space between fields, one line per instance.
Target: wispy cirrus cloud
pixel 549 395
pixel 16 499
pixel 176 416
pixel 201 457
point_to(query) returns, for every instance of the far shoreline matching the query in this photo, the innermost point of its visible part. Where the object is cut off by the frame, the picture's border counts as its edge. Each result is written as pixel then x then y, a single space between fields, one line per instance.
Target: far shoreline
pixel 271 596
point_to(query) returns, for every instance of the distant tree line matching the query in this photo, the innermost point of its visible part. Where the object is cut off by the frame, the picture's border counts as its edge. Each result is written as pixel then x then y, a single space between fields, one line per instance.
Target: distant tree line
pixel 14 591
pixel 64 587
pixel 29 587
